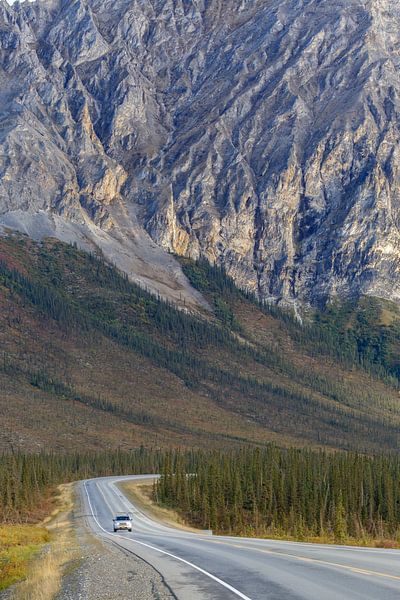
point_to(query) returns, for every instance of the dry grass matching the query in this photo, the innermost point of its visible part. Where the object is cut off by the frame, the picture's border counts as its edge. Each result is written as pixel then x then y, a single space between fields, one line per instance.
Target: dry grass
pixel 365 542
pixel 45 572
pixel 387 544
pixel 387 317
pixel 43 581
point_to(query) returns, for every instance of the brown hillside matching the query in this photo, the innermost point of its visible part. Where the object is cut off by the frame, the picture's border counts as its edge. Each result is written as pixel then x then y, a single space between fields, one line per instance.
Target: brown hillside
pixel 91 361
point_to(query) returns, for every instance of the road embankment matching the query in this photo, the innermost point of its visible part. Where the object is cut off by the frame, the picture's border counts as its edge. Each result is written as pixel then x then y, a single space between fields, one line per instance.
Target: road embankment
pixel 34 557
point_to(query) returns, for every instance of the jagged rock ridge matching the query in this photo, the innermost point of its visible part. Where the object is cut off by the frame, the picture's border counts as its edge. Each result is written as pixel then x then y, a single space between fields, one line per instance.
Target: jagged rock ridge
pixel 263 135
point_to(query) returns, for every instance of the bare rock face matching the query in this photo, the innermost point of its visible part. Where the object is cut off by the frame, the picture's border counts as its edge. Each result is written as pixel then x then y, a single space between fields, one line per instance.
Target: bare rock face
pixel 263 135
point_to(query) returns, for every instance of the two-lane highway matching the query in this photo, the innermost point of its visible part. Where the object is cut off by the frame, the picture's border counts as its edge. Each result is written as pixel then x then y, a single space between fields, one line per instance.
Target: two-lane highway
pixel 200 567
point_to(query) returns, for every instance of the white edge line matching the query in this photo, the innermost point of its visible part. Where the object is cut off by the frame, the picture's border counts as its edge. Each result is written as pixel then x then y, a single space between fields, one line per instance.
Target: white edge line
pixel 186 562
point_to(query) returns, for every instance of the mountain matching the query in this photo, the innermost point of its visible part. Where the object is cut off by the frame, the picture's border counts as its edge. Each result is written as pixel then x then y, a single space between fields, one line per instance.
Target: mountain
pixel 261 135
pixel 90 360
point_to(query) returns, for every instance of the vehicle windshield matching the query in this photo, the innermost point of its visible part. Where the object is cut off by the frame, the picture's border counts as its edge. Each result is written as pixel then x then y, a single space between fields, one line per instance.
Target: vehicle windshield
pixel 122 518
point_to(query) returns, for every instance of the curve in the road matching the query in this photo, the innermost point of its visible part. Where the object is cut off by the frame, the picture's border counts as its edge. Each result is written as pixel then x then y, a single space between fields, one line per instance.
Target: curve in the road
pixel 186 562
pixel 250 569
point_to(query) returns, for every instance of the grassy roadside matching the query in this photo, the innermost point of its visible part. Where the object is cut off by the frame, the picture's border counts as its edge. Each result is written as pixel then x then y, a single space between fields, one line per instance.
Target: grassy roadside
pixel 35 555
pixel 141 494
pixel 19 544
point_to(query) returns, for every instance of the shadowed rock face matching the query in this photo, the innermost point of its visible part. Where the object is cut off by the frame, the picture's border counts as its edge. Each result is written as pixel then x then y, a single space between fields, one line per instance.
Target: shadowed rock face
pixel 262 134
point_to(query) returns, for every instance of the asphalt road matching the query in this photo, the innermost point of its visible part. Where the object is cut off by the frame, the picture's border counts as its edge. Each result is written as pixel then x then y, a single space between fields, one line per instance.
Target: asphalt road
pixel 200 567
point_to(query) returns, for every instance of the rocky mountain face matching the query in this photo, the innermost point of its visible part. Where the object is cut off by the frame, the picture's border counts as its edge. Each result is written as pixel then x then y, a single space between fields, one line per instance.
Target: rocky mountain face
pixel 261 134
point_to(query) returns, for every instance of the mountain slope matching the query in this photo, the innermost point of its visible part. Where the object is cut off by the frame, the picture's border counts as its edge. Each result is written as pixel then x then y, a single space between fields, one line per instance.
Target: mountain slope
pixel 261 135
pixel 89 359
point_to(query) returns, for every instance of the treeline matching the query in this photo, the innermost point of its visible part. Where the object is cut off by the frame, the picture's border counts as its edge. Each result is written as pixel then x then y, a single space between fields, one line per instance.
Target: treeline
pixel 268 491
pixel 290 493
pixel 131 313
pixel 90 309
pixel 26 480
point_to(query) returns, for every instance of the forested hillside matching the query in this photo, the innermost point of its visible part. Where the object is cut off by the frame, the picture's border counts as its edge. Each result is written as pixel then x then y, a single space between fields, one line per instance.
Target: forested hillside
pixel 90 359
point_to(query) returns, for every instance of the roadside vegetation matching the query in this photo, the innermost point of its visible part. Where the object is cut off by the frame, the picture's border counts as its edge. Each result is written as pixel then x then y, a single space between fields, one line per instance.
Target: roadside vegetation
pixel 19 545
pixel 109 367
pixel 36 534
pixel 28 481
pixel 141 494
pixel 43 573
pixel 288 494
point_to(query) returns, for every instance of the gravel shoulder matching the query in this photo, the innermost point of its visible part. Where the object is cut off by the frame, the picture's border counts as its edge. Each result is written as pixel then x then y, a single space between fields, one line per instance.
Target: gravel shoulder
pixel 103 571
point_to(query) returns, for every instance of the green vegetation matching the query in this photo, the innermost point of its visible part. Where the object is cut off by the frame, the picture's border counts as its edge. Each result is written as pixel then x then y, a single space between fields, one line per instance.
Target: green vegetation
pixel 106 366
pixel 368 328
pixel 300 494
pixel 27 485
pixel 285 493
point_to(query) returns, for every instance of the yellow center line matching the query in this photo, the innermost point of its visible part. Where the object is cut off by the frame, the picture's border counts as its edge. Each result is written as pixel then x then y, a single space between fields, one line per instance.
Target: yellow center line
pixel 311 560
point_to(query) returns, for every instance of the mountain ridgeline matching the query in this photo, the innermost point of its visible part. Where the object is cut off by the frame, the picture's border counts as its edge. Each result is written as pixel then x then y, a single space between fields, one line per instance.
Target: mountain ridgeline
pixel 262 136
pixel 105 364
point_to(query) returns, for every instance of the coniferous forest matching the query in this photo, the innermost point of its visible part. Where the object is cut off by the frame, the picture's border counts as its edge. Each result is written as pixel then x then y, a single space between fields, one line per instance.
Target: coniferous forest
pixel 300 494
pixel 289 493
pixel 27 480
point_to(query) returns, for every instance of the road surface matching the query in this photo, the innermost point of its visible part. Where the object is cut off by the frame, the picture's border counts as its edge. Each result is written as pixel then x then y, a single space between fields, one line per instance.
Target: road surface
pixel 205 567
